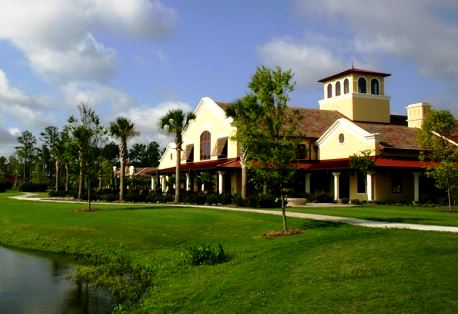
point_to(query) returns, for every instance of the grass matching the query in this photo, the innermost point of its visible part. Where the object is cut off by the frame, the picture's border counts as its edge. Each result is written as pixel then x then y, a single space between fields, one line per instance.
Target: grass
pixel 327 268
pixel 390 213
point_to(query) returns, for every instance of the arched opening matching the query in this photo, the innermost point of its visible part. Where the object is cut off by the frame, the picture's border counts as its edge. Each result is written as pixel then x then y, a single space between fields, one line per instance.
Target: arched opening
pixel 338 88
pixel 362 85
pixel 205 141
pixel 375 87
pixel 346 86
pixel 329 91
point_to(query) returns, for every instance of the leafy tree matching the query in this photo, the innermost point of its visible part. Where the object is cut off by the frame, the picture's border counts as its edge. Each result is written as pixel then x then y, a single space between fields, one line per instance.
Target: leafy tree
pixel 145 155
pixel 363 163
pixel 122 129
pixel 53 140
pixel 437 129
pixel 86 135
pixel 245 113
pixel 26 152
pixel 3 168
pixel 268 130
pixel 174 122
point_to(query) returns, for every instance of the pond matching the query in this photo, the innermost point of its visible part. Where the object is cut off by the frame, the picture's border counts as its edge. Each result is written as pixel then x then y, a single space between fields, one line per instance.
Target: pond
pixel 38 284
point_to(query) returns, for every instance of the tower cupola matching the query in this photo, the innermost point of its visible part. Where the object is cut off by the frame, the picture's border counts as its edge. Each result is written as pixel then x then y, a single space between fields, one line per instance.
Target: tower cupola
pixel 357 94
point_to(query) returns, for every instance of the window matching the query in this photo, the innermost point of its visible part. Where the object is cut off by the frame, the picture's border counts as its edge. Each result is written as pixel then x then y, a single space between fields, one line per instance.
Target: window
pixel 188 153
pixel 341 138
pixel 362 85
pixel 338 89
pixel 329 90
pixel 220 149
pixel 374 87
pixel 205 141
pixel 361 188
pixel 346 86
pixel 301 152
pixel 396 183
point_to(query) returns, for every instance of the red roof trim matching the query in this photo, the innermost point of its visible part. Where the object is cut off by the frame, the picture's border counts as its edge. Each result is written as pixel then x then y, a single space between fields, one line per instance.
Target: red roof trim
pixel 206 165
pixel 353 70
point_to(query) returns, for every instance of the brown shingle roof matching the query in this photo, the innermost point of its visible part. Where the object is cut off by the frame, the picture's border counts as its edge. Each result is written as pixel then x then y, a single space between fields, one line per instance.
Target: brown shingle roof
pixel 395 136
pixel 353 70
pixel 315 122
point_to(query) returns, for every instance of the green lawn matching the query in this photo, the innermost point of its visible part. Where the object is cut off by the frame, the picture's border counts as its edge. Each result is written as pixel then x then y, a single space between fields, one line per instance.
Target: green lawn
pixel 327 268
pixel 390 213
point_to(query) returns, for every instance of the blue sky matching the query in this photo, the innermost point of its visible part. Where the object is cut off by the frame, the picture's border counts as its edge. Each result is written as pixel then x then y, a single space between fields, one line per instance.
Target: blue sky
pixel 140 58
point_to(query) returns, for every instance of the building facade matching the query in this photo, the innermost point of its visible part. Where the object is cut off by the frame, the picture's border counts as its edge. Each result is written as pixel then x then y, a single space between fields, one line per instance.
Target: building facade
pixel 353 116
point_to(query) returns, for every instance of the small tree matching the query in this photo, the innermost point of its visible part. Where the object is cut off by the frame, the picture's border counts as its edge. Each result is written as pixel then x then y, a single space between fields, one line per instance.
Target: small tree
pixel 174 123
pixel 122 129
pixel 363 163
pixel 27 152
pixel 267 130
pixel 436 131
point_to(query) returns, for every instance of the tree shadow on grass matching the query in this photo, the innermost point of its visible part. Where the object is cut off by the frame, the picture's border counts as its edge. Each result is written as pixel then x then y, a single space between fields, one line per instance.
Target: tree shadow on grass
pixel 315 224
pixel 401 219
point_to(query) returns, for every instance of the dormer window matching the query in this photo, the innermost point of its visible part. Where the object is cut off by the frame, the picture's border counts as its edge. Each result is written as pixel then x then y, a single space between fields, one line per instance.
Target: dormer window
pixel 362 85
pixel 346 86
pixel 375 87
pixel 329 90
pixel 338 88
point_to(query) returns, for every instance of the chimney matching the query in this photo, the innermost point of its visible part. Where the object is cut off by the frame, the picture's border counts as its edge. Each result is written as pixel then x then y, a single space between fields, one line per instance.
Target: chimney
pixel 416 113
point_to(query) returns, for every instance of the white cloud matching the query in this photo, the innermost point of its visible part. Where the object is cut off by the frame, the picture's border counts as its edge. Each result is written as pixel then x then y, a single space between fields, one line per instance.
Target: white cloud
pixel 58 37
pixel 308 62
pixel 147 121
pixel 417 30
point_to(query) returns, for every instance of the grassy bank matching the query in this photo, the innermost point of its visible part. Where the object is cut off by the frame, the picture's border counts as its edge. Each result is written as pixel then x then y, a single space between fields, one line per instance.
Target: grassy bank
pixel 327 268
pixel 390 213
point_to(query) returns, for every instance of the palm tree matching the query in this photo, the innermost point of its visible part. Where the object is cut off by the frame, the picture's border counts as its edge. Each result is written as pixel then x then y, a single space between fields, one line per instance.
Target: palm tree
pixel 122 129
pixel 174 122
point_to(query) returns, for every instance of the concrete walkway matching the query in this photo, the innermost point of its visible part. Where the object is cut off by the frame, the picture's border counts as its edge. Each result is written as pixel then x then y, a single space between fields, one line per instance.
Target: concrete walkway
pixel 335 219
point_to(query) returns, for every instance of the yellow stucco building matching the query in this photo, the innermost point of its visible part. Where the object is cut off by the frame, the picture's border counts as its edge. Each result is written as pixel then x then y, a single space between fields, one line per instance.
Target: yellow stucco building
pixel 353 116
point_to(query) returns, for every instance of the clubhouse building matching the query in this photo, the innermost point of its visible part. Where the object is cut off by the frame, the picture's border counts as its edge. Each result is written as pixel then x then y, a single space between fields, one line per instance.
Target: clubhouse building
pixel 353 116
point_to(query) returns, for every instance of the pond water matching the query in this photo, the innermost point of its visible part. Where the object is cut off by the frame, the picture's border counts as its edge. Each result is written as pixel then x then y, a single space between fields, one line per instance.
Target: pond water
pixel 32 284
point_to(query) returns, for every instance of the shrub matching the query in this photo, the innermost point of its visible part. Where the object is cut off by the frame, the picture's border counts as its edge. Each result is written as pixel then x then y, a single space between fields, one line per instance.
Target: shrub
pixel 204 254
pixel 355 201
pixel 344 200
pixel 238 200
pixel 33 187
pixel 212 199
pixel 268 201
pixel 322 197
pixel 2 187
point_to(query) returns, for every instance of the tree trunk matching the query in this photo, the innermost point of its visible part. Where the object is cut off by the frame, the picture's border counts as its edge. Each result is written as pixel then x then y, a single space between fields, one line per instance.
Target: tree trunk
pixel 449 199
pixel 88 193
pixel 81 180
pixel 57 174
pixel 283 212
pixel 122 173
pixel 244 181
pixel 177 174
pixel 67 178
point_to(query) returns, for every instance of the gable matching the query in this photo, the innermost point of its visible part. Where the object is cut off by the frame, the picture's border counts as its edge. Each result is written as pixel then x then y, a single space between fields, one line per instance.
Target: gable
pixel 343 139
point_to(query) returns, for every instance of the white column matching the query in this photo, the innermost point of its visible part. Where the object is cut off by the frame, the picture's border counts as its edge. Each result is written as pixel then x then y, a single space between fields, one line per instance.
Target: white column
pixel 369 187
pixel 163 184
pixel 307 183
pixel 416 186
pixel 336 185
pixel 220 182
pixel 153 183
pixel 188 182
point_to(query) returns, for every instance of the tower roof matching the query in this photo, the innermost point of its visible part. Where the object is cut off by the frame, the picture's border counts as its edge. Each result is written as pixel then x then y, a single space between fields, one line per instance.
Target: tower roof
pixel 353 70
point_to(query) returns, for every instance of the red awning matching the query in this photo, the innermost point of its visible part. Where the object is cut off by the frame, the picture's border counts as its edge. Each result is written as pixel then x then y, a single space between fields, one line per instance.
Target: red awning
pixel 218 164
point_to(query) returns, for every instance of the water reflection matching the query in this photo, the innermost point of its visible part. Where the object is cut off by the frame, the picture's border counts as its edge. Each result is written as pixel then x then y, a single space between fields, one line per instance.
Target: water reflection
pixel 36 284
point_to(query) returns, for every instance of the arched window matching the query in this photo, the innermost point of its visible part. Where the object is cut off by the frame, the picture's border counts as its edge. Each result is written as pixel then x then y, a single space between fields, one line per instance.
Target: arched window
pixel 338 88
pixel 329 90
pixel 205 141
pixel 362 85
pixel 346 86
pixel 374 87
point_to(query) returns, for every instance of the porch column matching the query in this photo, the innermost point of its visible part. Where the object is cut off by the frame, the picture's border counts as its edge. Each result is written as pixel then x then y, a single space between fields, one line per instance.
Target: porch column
pixel 188 182
pixel 307 183
pixel 370 196
pixel 416 186
pixel 220 182
pixel 336 185
pixel 163 184
pixel 153 183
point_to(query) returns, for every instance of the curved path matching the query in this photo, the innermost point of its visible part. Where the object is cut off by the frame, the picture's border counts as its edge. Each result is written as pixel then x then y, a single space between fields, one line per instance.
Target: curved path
pixel 336 219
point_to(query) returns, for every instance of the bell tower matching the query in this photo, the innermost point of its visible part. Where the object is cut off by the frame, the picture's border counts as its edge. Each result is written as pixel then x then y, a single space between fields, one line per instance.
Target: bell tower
pixel 357 94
